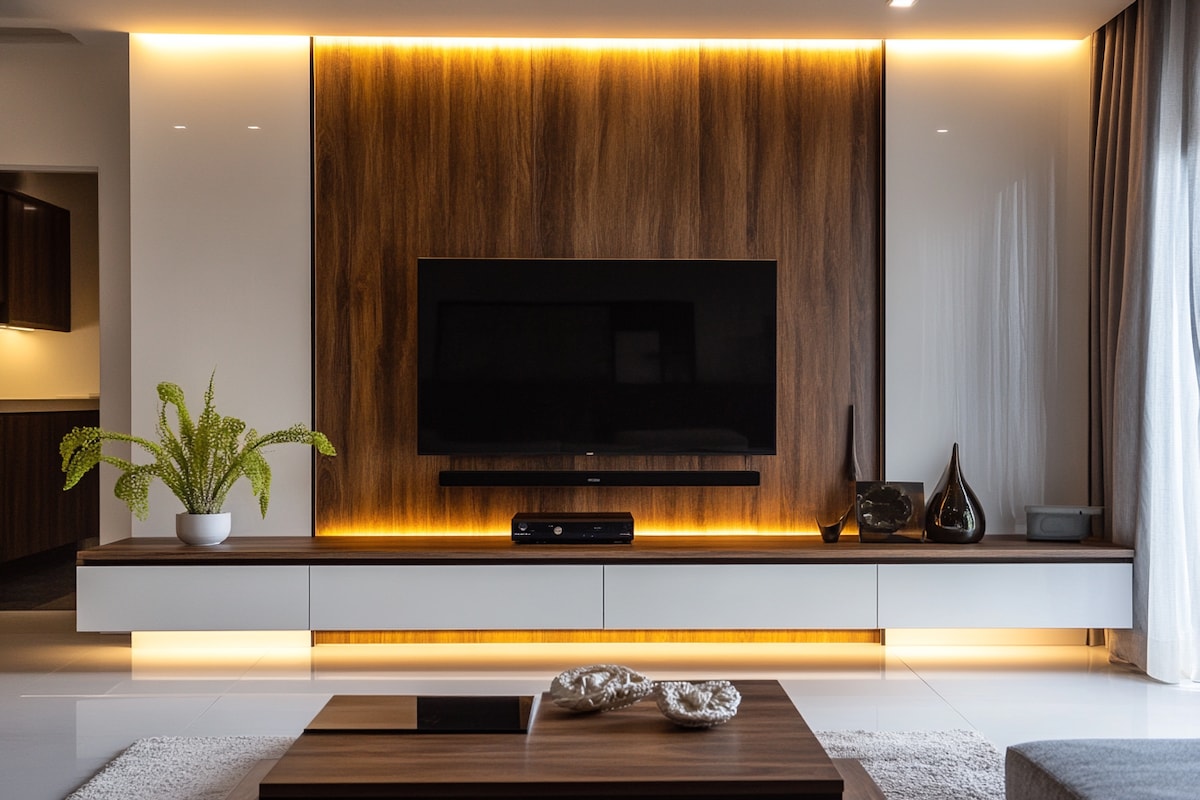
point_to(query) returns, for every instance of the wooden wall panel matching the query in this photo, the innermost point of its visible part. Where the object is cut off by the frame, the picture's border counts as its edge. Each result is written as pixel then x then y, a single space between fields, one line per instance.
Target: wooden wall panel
pixel 688 151
pixel 617 151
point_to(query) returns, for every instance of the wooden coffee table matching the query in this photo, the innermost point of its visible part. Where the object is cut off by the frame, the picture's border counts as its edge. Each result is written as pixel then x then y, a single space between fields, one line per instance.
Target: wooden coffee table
pixel 767 750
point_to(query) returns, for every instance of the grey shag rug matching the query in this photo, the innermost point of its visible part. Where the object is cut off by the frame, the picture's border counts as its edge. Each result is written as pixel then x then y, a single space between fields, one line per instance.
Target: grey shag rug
pixel 180 768
pixel 924 765
pixel 914 765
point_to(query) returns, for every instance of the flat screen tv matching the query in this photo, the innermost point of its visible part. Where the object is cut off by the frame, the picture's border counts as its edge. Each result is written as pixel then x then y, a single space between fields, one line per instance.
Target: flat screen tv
pixel 595 356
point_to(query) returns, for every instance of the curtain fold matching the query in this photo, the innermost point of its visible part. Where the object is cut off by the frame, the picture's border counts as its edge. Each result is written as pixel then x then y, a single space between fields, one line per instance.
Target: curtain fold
pixel 1145 322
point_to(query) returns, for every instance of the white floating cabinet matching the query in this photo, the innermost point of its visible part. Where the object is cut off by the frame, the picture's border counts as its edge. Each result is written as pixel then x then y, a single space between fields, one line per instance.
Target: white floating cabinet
pixel 1006 595
pixel 739 596
pixel 414 584
pixel 458 597
pixel 192 598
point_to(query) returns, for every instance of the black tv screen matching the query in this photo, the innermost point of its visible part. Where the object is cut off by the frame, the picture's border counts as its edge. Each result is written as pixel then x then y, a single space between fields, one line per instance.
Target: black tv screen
pixel 594 356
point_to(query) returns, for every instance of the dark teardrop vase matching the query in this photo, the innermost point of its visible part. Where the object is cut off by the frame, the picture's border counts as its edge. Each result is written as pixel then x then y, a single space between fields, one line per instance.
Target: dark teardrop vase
pixel 955 515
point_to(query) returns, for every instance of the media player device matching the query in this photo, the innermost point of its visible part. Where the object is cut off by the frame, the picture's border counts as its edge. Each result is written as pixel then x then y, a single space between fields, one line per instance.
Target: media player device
pixel 573 528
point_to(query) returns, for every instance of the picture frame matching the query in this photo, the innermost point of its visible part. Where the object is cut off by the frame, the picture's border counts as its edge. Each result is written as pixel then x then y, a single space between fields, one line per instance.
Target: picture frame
pixel 890 511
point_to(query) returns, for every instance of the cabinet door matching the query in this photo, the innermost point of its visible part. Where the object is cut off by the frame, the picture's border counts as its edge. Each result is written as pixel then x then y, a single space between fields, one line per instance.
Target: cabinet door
pixel 739 596
pixel 1005 595
pixel 35 263
pixel 469 597
pixel 208 598
pixel 36 515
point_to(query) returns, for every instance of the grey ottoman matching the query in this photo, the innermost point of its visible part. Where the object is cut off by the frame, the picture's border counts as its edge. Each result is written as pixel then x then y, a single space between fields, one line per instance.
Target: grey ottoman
pixel 1103 769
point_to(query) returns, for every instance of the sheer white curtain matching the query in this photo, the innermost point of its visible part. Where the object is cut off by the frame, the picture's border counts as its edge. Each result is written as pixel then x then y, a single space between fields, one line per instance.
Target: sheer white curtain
pixel 1153 332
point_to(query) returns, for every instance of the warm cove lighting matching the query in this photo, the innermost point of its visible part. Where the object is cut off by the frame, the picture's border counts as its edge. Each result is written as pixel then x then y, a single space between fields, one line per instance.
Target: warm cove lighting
pixel 985 47
pixel 631 638
pixel 220 655
pixel 729 530
pixel 382 530
pixel 484 43
pixel 219 643
pixel 200 42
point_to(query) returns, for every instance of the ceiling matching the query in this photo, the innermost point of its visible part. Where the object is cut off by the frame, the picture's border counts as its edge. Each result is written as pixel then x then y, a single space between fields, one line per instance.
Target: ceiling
pixel 818 19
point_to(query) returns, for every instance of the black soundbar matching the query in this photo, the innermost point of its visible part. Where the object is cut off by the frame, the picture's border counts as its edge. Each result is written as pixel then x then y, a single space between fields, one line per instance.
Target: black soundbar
pixel 612 477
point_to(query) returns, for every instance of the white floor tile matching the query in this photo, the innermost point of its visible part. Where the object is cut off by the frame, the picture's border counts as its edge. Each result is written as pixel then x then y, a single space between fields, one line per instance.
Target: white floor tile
pixel 257 715
pixel 69 702
pixel 124 717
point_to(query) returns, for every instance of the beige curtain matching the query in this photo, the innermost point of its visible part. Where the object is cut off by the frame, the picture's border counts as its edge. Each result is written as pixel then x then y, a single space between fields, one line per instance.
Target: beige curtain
pixel 1145 371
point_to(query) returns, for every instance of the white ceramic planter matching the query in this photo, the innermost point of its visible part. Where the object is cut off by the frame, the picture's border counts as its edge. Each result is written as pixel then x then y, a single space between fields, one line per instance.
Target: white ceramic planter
pixel 203 529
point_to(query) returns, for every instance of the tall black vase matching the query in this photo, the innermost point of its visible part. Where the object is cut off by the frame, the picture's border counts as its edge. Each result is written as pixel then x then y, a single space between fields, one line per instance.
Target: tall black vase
pixel 955 515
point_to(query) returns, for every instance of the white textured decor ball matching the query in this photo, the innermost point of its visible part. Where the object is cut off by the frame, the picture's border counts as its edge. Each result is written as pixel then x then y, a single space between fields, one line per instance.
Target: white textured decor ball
pixel 697 705
pixel 599 687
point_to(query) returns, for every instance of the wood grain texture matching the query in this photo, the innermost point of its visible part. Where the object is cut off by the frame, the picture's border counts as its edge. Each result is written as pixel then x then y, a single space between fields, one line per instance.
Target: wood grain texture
pixel 550 151
pixel 648 550
pixel 599 636
pixel 36 515
pixel 617 146
pixel 766 750
pixel 247 787
pixel 859 784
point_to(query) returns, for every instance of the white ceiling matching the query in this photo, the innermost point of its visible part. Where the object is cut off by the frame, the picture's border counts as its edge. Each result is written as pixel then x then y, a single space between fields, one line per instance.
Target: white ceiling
pixel 852 19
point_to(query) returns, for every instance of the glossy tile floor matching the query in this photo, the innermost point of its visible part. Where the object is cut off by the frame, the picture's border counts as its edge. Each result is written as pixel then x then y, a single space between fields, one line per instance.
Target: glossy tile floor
pixel 69 702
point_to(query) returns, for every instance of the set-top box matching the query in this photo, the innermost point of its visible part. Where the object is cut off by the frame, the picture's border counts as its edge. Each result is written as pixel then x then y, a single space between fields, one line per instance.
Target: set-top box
pixel 573 528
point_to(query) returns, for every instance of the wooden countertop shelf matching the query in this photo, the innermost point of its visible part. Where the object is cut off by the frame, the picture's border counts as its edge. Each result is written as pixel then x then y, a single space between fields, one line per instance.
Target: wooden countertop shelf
pixel 647 549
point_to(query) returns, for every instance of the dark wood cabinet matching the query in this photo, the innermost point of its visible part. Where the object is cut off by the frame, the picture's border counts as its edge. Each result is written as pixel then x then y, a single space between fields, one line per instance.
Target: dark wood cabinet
pixel 35 263
pixel 36 515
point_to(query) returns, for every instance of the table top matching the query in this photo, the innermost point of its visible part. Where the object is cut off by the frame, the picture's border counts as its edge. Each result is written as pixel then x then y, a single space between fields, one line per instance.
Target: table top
pixel 767 750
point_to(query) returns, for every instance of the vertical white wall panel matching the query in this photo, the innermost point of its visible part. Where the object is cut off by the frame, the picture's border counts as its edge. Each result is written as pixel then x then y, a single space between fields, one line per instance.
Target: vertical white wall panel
pixel 986 339
pixel 220 274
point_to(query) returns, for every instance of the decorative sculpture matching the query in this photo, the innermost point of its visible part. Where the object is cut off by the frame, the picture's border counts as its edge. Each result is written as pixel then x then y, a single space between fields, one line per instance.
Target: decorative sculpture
pixel 599 687
pixel 955 515
pixel 606 687
pixel 697 705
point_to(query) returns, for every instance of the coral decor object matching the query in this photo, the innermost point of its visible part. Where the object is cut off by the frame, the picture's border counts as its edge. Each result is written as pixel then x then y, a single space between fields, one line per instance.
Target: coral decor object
pixel 697 705
pixel 599 687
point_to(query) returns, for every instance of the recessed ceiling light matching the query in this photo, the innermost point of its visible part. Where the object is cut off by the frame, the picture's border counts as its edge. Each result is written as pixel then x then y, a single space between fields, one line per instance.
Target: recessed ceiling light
pixel 902 3
pixel 943 130
pixel 253 128
pixel 180 127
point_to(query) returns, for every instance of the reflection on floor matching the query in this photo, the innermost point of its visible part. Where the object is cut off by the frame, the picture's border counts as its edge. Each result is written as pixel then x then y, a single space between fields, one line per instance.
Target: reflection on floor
pixel 45 581
pixel 69 702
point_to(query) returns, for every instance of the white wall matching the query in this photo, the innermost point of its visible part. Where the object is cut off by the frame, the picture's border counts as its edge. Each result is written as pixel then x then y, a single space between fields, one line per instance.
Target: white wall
pixel 220 270
pixel 65 108
pixel 986 291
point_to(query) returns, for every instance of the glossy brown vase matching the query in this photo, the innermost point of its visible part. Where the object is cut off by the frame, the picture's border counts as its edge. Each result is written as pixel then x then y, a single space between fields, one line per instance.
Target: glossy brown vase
pixel 955 515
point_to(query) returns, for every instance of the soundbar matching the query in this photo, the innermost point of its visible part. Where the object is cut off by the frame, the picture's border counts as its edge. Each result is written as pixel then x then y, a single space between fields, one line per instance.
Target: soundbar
pixel 613 477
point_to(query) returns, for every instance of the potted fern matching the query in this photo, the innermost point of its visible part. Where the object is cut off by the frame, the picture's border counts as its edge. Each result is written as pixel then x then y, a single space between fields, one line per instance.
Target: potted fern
pixel 200 462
